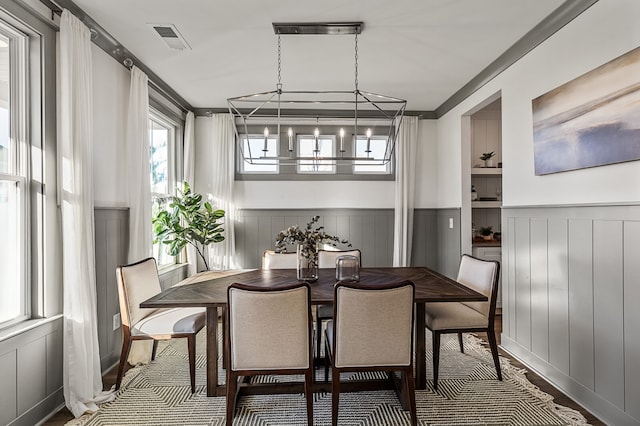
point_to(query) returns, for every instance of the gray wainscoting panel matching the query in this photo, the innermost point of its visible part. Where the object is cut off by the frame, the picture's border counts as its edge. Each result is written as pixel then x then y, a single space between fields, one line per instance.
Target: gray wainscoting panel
pixel 448 242
pixel 557 255
pixel 539 289
pixel 631 333
pixel 572 280
pixel 9 388
pixel 581 362
pixel 370 230
pixel 112 240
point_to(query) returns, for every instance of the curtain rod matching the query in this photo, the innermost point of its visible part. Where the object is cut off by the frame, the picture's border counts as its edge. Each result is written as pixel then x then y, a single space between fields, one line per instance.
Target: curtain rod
pixel 116 50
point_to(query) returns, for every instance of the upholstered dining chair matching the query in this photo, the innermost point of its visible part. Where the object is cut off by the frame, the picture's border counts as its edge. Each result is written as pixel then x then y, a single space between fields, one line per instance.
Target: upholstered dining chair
pixel 269 332
pixel 467 317
pixel 372 330
pixel 327 259
pixel 274 260
pixel 136 283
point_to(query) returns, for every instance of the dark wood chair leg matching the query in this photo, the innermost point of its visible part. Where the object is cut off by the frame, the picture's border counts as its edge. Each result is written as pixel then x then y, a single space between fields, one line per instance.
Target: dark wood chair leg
pixel 411 391
pixel 436 358
pixel 308 393
pixel 335 395
pixel 191 346
pixel 154 350
pixel 460 342
pixel 126 347
pixel 491 335
pixel 224 338
pixel 327 359
pixel 318 335
pixel 232 387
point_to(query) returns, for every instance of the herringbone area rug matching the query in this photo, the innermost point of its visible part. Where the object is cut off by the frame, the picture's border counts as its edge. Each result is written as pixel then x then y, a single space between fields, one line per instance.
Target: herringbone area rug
pixel 469 394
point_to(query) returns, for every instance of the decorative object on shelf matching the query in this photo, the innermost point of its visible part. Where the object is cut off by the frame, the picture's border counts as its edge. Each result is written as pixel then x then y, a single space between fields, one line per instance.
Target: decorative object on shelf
pixel 474 193
pixel 487 157
pixel 283 108
pixel 188 221
pixel 348 268
pixel 485 232
pixel 307 242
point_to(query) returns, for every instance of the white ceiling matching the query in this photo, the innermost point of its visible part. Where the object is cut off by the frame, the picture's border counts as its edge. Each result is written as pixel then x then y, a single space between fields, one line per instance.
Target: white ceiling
pixel 419 50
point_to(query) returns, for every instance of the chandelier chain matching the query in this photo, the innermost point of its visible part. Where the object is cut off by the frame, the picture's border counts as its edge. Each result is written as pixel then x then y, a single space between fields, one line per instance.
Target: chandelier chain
pixel 356 60
pixel 279 62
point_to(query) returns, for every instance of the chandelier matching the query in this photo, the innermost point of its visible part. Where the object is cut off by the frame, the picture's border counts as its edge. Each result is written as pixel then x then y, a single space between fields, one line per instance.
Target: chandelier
pixel 356 118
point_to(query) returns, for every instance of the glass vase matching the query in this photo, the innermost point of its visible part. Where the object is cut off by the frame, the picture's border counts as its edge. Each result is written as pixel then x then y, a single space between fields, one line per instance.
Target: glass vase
pixel 307 263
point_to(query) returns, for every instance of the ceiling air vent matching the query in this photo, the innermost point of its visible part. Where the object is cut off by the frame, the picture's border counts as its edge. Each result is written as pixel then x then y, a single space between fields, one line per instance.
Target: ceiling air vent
pixel 171 36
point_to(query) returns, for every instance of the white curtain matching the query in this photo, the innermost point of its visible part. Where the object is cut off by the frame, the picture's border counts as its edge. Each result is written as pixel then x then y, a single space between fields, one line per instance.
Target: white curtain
pixel 81 359
pixel 189 176
pixel 140 236
pixel 223 255
pixel 405 150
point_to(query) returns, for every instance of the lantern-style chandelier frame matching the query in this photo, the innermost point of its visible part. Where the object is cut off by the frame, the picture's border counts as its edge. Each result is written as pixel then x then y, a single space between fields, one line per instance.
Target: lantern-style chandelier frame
pixel 359 114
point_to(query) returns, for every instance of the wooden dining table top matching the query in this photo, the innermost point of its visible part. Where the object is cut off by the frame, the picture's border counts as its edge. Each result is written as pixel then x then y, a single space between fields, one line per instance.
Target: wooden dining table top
pixel 430 286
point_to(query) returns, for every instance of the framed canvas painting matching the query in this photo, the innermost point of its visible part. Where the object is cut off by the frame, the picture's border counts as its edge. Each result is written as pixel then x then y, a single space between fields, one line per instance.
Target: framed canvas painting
pixel 590 121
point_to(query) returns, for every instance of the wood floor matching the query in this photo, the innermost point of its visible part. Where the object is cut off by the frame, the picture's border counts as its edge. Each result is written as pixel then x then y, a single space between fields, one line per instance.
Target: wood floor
pixel 109 380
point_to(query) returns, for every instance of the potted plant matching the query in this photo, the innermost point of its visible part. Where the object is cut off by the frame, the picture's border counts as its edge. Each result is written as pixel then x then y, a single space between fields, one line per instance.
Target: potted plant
pixel 188 220
pixel 307 241
pixel 485 232
pixel 487 157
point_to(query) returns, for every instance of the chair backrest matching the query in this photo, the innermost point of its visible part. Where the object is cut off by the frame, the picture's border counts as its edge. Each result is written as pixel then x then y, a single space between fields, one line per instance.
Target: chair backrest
pixel 327 258
pixel 269 328
pixel 136 283
pixel 273 260
pixel 373 325
pixel 481 276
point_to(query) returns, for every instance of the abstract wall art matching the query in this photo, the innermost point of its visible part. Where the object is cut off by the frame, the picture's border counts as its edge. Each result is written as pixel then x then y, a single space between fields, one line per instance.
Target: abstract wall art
pixel 590 121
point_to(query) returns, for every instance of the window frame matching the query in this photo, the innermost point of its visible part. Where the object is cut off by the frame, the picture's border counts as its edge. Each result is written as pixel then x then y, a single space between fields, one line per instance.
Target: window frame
pixel 332 165
pixel 355 165
pixel 241 164
pixel 174 128
pixel 19 172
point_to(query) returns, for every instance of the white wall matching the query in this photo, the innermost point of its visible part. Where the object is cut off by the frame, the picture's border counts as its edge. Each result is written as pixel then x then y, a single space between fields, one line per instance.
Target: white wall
pixel 606 30
pixel 321 194
pixel 111 97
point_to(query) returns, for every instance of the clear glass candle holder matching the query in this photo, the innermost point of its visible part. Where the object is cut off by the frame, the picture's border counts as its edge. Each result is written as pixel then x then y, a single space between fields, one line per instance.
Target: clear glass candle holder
pixel 348 268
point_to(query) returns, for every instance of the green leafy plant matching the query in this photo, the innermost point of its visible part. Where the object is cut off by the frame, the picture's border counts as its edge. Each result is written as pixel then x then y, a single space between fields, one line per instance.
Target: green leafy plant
pixel 487 155
pixel 485 230
pixel 188 220
pixel 309 238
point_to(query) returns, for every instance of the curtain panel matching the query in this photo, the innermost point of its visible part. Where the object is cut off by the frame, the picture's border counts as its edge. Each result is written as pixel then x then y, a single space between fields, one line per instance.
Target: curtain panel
pixel 82 378
pixel 406 150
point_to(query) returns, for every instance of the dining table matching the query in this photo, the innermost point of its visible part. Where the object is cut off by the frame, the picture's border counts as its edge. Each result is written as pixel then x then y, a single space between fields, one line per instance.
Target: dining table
pixel 209 290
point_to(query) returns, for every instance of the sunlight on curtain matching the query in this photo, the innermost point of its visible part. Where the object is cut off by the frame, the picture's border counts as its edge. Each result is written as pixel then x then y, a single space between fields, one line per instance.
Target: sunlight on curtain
pixel 405 151
pixel 81 358
pixel 222 255
pixel 140 235
pixel 189 176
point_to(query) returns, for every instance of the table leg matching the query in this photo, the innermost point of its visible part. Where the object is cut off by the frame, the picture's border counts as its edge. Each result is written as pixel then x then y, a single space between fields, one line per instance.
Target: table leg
pixel 421 353
pixel 212 351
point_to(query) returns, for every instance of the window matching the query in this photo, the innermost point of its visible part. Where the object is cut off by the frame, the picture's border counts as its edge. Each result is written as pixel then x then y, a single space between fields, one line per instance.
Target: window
pixel 377 145
pixel 255 147
pixel 14 185
pixel 162 168
pixel 316 147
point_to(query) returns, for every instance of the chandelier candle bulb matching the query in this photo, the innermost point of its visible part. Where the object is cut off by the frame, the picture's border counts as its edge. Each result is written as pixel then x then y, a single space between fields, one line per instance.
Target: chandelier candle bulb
pixel 266 137
pixel 368 151
pixel 316 134
pixel 341 140
pixel 290 133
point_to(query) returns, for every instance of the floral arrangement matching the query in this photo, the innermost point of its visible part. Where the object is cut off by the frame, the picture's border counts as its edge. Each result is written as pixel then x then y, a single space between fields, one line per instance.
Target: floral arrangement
pixel 309 238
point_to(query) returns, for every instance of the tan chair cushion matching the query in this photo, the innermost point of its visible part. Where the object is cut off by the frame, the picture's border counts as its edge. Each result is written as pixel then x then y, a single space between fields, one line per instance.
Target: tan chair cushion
pixel 171 321
pixel 327 258
pixel 269 330
pixel 273 260
pixel 373 327
pixel 478 275
pixel 453 315
pixel 140 282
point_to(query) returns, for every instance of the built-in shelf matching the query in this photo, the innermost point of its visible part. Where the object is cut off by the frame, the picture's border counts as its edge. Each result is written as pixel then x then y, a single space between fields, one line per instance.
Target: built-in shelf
pixel 486 171
pixel 486 204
